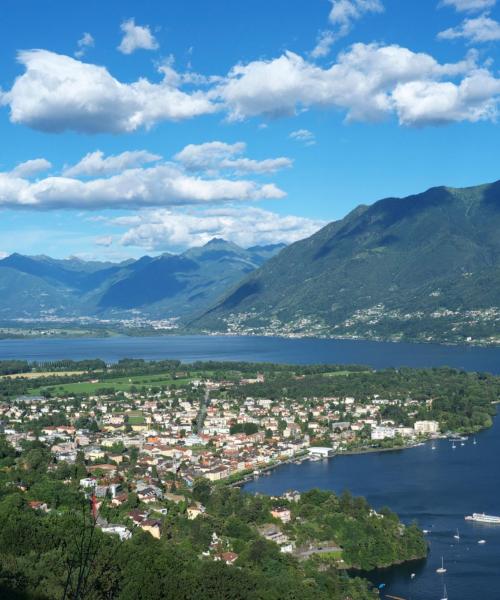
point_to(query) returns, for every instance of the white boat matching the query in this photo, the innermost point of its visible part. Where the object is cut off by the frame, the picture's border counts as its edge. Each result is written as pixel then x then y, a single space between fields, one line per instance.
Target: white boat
pixel 474 442
pixel 441 568
pixel 445 593
pixel 453 446
pixel 482 542
pixel 483 518
pixel 457 535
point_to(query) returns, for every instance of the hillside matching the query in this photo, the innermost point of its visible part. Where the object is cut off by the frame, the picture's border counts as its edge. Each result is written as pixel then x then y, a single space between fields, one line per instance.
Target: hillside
pixel 165 286
pixel 424 267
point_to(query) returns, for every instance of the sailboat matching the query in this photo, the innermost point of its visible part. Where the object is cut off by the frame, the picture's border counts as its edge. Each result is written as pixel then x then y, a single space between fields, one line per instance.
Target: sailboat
pixel 453 445
pixel 441 568
pixel 457 535
pixel 445 593
pixel 474 442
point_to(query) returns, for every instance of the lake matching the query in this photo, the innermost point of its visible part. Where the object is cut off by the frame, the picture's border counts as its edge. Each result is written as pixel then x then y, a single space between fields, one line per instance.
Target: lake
pixel 437 488
pixel 266 349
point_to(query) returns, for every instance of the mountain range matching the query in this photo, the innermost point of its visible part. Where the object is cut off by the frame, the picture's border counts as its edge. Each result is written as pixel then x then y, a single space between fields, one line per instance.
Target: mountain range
pixel 165 286
pixel 422 267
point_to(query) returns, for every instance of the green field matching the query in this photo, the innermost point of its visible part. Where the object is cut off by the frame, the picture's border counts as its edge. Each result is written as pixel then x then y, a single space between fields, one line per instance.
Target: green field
pixel 119 384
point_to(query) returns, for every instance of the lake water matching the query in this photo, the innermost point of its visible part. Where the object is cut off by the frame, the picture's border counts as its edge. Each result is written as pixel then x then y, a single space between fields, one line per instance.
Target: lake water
pixel 268 349
pixel 435 487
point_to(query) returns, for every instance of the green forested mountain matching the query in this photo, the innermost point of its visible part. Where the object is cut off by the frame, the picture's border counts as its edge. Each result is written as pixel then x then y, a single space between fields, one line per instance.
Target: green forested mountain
pixel 422 267
pixel 164 286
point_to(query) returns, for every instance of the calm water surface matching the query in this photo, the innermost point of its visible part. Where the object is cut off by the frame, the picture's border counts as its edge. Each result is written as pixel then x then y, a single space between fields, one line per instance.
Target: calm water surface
pixel 294 351
pixel 435 487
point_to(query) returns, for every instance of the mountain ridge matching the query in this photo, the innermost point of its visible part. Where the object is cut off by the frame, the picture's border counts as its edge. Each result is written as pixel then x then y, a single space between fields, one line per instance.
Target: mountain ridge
pixel 402 268
pixel 167 285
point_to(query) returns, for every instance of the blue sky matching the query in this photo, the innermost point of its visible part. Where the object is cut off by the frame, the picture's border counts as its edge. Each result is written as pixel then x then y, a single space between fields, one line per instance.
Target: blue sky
pixel 155 126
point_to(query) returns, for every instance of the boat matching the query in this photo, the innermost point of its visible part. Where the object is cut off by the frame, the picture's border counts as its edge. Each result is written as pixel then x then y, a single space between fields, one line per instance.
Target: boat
pixel 483 518
pixel 453 446
pixel 481 542
pixel 474 442
pixel 441 569
pixel 457 535
pixel 445 593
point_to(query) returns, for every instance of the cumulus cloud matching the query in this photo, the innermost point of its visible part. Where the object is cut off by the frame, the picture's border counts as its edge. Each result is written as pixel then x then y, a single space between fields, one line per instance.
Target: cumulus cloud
pixel 84 43
pixel 469 5
pixel 475 98
pixel 345 12
pixel 477 30
pixel 95 163
pixel 361 82
pixel 136 37
pixel 217 156
pixel 303 135
pixel 245 226
pixel 30 168
pixel 164 184
pixel 58 93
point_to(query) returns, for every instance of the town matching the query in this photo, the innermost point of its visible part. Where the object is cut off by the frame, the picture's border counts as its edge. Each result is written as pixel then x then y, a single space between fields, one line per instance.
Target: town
pixel 142 445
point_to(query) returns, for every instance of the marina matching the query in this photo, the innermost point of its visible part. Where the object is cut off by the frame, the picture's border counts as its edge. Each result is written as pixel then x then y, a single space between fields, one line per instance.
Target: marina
pixel 434 487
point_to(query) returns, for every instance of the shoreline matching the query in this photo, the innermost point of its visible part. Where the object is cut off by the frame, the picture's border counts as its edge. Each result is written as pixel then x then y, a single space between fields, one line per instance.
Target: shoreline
pixel 94 334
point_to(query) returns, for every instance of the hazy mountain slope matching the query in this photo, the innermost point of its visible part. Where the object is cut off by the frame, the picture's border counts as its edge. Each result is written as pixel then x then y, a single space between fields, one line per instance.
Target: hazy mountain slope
pixel 400 267
pixel 183 285
pixel 164 286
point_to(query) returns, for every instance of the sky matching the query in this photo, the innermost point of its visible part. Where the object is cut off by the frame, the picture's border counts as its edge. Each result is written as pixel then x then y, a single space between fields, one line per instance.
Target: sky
pixel 131 128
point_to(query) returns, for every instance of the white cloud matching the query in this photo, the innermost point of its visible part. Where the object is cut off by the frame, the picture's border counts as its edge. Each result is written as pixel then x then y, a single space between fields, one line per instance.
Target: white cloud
pixel 85 42
pixel 361 82
pixel 245 226
pixel 324 44
pixel 164 184
pixel 58 93
pixel 30 168
pixel 469 5
pixel 217 156
pixel 477 30
pixel 95 163
pixel 136 37
pixel 303 135
pixel 345 12
pixel 422 103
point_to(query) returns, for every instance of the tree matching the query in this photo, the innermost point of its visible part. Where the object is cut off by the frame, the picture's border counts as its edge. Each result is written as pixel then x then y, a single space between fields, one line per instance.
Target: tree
pixel 202 490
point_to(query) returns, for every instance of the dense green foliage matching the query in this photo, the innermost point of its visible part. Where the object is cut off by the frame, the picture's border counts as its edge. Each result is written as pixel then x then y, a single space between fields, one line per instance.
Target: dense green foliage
pixel 61 554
